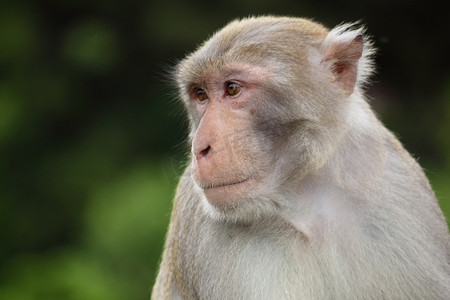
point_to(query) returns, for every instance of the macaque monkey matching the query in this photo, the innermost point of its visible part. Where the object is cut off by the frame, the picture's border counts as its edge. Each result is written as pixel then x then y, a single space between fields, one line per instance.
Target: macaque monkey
pixel 294 189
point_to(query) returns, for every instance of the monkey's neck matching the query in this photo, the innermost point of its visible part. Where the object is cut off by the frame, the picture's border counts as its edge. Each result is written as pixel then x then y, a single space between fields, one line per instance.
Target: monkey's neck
pixel 334 194
pixel 322 207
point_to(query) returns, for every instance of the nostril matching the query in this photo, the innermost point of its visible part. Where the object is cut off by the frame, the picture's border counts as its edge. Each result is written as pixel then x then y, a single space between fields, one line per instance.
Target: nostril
pixel 205 151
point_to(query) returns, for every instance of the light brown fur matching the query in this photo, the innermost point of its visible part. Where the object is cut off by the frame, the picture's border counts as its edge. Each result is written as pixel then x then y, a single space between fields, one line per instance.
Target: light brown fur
pixel 295 190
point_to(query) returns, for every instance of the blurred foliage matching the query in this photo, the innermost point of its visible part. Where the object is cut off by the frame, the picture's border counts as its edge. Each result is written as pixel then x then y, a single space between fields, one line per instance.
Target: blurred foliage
pixel 92 141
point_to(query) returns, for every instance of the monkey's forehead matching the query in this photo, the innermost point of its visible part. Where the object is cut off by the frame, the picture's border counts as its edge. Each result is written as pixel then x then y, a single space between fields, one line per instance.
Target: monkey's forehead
pixel 255 41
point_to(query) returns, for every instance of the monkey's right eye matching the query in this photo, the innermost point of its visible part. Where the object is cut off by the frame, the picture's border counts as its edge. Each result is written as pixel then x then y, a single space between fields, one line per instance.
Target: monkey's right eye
pixel 200 95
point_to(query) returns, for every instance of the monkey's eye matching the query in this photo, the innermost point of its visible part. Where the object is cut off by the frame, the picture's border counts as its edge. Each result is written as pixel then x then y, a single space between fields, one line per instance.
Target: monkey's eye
pixel 201 95
pixel 233 88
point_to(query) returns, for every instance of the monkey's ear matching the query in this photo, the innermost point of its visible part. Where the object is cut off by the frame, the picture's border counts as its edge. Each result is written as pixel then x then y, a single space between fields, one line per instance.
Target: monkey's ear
pixel 343 53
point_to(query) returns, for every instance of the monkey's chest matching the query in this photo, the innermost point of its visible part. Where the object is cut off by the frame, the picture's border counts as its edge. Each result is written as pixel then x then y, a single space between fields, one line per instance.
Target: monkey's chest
pixel 239 265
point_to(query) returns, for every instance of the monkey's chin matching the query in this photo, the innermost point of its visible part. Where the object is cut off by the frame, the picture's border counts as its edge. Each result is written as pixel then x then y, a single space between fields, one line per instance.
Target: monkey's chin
pixel 239 202
pixel 228 195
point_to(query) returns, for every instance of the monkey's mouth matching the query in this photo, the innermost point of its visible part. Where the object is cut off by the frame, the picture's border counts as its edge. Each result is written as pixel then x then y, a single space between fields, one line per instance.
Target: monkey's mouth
pixel 223 185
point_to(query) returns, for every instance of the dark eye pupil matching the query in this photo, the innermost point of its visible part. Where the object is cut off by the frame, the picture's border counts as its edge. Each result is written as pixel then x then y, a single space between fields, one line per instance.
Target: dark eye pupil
pixel 233 88
pixel 201 95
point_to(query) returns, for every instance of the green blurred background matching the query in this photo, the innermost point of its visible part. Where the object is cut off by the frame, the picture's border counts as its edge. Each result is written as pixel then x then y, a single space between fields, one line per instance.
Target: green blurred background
pixel 92 140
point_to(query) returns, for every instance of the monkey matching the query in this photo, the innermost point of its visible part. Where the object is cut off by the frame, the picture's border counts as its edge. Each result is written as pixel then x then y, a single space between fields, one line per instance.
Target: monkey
pixel 294 189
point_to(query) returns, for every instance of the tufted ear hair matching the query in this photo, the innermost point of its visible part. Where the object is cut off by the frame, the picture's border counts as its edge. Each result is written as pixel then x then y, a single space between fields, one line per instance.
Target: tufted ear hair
pixel 347 54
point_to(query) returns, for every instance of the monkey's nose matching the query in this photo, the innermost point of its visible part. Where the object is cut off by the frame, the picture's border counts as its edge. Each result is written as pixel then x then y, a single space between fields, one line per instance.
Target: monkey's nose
pixel 203 153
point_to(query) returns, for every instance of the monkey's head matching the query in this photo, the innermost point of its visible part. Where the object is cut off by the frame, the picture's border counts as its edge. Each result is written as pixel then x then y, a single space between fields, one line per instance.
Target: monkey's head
pixel 267 100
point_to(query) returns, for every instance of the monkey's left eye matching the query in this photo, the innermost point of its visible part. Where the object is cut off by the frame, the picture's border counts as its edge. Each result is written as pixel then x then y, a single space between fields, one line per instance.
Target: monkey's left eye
pixel 233 88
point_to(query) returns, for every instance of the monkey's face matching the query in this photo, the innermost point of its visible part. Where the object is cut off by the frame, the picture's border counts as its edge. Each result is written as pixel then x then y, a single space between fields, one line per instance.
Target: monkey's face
pixel 228 159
